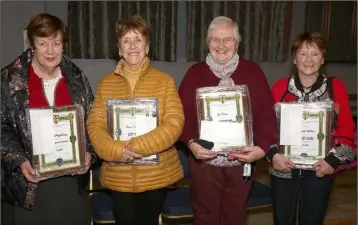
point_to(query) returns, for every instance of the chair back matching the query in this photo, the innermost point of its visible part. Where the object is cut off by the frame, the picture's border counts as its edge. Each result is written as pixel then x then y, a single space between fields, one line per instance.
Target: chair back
pixel 183 153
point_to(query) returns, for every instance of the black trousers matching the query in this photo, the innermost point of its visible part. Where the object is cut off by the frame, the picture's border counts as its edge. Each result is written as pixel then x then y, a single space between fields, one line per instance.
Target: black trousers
pixel 138 208
pixel 311 194
pixel 58 202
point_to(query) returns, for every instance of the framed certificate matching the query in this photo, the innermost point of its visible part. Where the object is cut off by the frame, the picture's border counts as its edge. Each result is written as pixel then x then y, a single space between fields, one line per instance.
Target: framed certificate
pixel 58 138
pixel 305 131
pixel 128 118
pixel 224 117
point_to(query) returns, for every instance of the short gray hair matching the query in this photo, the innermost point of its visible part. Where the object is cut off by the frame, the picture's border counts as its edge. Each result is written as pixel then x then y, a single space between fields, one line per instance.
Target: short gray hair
pixel 224 19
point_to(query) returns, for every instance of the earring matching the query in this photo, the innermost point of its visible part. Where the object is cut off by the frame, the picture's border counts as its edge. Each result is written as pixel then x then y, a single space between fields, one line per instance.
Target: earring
pixel 147 50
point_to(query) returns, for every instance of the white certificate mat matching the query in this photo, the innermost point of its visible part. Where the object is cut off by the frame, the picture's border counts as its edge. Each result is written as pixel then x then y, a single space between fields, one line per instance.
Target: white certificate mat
pixel 132 121
pixel 223 134
pixel 42 132
pixel 291 124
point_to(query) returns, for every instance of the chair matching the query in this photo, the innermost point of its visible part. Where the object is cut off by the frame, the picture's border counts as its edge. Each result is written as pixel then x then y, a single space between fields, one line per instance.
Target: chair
pixel 100 200
pixel 259 198
pixel 177 206
pixel 183 153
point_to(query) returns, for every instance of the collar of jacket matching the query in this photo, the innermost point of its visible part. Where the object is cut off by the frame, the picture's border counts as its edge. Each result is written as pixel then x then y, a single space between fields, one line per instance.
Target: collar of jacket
pixel 18 74
pixel 144 70
pixel 315 86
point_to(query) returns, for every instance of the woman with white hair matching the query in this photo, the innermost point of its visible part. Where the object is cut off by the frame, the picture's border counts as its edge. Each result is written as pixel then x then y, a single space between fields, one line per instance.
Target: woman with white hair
pixel 219 190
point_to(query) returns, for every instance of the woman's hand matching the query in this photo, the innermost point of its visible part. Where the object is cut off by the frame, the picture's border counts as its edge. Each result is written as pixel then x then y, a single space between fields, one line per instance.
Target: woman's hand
pixel 200 152
pixel 128 154
pixel 282 163
pixel 28 171
pixel 249 155
pixel 323 168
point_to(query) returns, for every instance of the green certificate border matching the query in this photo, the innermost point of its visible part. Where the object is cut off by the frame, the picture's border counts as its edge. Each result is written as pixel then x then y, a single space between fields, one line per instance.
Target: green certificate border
pixel 73 137
pixel 132 106
pixel 240 96
pixel 222 99
pixel 118 111
pixel 320 137
pixel 77 139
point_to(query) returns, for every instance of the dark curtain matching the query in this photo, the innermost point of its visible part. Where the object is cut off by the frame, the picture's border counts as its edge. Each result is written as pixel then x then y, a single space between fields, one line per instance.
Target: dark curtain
pixel 337 21
pixel 264 27
pixel 91 27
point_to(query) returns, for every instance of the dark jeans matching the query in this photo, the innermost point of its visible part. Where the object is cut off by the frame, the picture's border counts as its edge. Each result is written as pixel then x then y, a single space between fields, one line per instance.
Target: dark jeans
pixel 138 208
pixel 311 194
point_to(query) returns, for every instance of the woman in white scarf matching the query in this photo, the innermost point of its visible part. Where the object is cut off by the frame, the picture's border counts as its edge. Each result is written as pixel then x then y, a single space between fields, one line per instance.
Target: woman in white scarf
pixel 219 191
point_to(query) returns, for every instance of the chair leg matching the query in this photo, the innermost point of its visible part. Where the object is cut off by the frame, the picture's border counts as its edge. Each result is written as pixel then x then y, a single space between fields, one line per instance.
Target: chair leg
pixel 160 219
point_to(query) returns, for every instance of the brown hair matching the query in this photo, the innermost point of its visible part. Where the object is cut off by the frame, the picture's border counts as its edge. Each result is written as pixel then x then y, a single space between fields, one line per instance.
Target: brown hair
pixel 309 38
pixel 45 25
pixel 135 22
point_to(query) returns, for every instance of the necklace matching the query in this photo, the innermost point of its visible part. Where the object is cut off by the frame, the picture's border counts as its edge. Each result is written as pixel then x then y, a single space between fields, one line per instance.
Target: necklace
pixel 52 81
pixel 305 87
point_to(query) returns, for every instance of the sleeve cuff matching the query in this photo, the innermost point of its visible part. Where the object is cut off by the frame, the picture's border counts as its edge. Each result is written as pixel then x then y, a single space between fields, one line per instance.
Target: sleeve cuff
pixel 332 160
pixel 204 143
pixel 16 162
pixel 344 153
pixel 94 159
pixel 271 152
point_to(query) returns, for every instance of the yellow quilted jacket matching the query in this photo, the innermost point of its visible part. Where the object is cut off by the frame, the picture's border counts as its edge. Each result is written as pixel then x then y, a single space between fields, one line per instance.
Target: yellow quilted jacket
pixel 151 83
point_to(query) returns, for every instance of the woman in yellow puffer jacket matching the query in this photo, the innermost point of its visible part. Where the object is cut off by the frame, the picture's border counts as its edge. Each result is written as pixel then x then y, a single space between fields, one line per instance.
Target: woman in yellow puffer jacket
pixel 138 191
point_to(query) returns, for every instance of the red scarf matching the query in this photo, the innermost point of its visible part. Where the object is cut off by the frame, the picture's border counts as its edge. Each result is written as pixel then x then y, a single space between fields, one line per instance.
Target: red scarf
pixel 37 96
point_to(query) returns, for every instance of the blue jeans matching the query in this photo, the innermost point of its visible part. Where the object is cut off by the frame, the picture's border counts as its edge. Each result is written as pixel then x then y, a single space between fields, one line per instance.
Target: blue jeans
pixel 305 189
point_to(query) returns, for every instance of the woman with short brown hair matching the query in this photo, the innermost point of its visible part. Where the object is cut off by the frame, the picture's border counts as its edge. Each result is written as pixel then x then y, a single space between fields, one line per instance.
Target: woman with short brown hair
pixel 138 191
pixel 41 77
pixel 292 186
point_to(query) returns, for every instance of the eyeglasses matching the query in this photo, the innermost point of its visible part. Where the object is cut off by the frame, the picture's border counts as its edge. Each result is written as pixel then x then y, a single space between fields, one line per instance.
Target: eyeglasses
pixel 225 41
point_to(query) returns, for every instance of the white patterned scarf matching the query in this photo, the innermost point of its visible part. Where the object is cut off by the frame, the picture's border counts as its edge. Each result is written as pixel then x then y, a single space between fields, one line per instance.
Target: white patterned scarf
pixel 223 71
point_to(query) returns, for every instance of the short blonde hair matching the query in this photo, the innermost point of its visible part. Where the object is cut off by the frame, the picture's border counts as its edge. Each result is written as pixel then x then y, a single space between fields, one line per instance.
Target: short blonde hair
pixel 220 20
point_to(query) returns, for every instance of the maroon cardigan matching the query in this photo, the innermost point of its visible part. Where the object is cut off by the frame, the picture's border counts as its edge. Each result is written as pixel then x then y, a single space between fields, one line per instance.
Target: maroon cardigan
pixel 264 119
